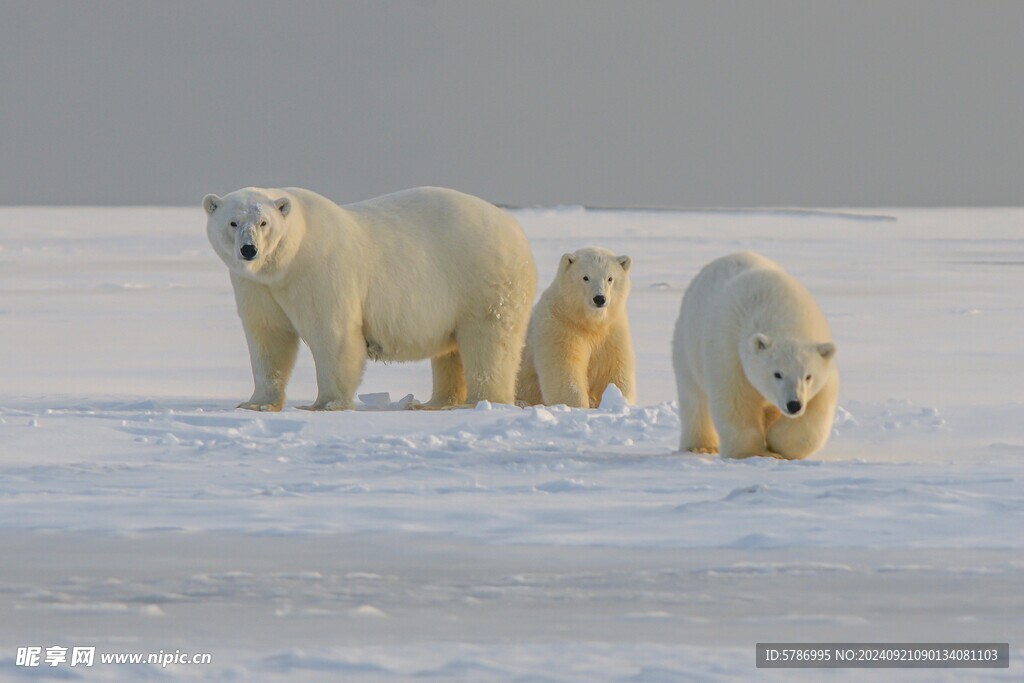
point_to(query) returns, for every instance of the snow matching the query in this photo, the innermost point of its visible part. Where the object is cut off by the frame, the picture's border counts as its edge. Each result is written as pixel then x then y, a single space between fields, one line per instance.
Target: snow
pixel 140 512
pixel 613 401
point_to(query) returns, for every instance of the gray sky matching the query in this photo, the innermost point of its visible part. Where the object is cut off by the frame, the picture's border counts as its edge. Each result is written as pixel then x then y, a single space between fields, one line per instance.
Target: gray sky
pixel 709 103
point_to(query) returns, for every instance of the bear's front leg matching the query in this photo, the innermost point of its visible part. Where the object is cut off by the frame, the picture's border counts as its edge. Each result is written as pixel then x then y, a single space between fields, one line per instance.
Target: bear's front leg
pixel 746 441
pixel 527 385
pixel 739 421
pixel 698 433
pixel 799 437
pixel 272 353
pixel 339 361
pixel 273 344
pixel 620 363
pixel 562 372
pixel 449 381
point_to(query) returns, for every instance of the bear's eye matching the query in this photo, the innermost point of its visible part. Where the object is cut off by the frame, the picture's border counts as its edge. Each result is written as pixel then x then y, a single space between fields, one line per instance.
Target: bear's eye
pixel 609 279
pixel 586 279
pixel 263 224
pixel 234 224
pixel 808 378
pixel 778 375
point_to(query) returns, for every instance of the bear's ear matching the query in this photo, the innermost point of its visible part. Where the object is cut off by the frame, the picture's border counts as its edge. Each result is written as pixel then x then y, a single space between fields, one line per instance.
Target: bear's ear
pixel 567 260
pixel 625 262
pixel 210 203
pixel 827 350
pixel 284 205
pixel 759 342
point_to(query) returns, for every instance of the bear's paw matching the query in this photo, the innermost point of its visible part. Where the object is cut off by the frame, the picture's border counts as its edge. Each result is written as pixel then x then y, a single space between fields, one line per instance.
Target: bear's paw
pixel 336 404
pixel 261 407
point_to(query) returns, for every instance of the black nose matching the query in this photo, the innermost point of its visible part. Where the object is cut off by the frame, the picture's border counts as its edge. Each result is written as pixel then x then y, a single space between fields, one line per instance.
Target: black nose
pixel 248 251
pixel 599 301
pixel 793 407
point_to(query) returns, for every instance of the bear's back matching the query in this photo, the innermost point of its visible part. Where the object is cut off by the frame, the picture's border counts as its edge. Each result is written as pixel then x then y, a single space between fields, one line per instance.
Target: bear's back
pixel 437 214
pixel 739 294
pixel 716 295
pixel 771 301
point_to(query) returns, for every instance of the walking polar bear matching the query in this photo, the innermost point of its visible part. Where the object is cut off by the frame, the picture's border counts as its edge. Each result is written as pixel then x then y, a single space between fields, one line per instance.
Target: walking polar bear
pixel 754 362
pixel 578 340
pixel 422 273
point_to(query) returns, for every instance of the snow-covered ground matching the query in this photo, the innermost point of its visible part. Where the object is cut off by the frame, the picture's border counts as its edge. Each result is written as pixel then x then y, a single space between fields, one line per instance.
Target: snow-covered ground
pixel 140 512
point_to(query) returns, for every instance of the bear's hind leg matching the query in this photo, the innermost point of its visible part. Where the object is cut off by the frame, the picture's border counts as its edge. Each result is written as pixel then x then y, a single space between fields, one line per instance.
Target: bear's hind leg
pixel 449 381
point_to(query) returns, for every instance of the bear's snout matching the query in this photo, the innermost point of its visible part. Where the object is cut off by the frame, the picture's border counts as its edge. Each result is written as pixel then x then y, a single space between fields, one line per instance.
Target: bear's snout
pixel 248 251
pixel 793 407
pixel 599 300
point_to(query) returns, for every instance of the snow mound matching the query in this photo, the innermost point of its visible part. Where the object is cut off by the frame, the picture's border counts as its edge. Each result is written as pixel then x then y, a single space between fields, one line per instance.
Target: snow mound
pixel 613 401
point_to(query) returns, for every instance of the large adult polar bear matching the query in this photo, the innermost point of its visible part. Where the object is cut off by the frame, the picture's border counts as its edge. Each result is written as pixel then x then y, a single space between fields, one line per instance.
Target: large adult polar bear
pixel 753 357
pixel 422 273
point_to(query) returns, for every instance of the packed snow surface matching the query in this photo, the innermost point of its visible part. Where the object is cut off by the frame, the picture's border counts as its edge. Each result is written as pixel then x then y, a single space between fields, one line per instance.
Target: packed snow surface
pixel 142 512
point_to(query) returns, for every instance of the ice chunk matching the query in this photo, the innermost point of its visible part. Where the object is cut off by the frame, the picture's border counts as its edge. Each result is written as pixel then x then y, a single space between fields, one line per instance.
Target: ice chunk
pixel 380 401
pixel 405 401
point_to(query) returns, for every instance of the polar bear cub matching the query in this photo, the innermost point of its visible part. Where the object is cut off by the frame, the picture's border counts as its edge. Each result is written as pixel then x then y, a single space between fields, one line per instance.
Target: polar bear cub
pixel 754 362
pixel 578 340
pixel 423 273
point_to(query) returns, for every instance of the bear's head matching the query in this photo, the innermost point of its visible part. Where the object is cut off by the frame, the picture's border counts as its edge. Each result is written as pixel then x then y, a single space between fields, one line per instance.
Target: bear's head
pixel 251 231
pixel 593 281
pixel 787 372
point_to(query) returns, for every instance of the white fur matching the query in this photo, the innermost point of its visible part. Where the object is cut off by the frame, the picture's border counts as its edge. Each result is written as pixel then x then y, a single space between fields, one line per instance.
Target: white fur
pixel 743 319
pixel 423 273
pixel 575 349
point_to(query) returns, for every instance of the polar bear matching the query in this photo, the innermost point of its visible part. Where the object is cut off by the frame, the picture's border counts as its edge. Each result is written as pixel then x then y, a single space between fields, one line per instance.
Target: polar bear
pixel 578 340
pixel 754 362
pixel 422 273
